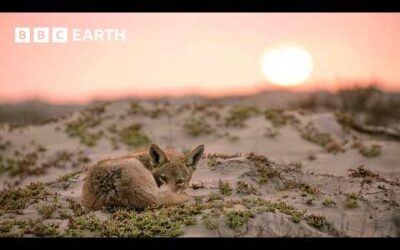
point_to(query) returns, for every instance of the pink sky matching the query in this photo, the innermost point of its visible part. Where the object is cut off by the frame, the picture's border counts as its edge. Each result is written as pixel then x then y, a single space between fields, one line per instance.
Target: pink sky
pixel 193 53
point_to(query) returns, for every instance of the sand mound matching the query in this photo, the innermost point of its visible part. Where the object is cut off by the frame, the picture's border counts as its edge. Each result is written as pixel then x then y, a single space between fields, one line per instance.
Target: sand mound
pixel 266 173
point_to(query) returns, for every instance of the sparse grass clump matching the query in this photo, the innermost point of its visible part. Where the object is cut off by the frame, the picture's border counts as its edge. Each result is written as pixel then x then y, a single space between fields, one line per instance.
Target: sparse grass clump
pixel 246 189
pixel 223 156
pixel 318 221
pixel 157 222
pixel 308 189
pixel 235 219
pixel 212 162
pixel 351 201
pixel 325 140
pixel 67 177
pixel 47 211
pixel 196 127
pixel 278 118
pixel 19 228
pixel 210 222
pixel 328 202
pixel 133 136
pixel 309 202
pixel 76 208
pixel 225 188
pixel 135 108
pixel 89 118
pixel 41 229
pixel 23 165
pixel 362 172
pixel 17 199
pixel 264 167
pixel 238 115
pixel 370 152
pixel 85 222
pixel 214 197
pixel 378 108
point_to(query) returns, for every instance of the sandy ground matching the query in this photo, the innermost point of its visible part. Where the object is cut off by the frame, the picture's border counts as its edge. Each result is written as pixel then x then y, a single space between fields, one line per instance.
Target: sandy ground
pixel 372 212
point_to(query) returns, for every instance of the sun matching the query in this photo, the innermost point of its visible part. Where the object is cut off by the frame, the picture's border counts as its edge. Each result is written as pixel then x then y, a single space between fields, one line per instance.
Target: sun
pixel 286 65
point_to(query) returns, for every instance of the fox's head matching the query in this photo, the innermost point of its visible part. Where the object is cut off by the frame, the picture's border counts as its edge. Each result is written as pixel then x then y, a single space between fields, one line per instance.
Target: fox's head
pixel 174 170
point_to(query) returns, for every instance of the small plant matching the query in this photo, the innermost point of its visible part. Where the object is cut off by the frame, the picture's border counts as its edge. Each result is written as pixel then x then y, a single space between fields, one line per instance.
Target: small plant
pixel 135 108
pixel 67 177
pixel 133 136
pixel 309 202
pixel 40 229
pixel 325 140
pixel 89 118
pixel 225 188
pixel 264 167
pixel 47 211
pixel 318 221
pixel 278 118
pixel 308 189
pixel 362 172
pixel 196 127
pixel 213 197
pixel 370 152
pixel 246 189
pixel 210 222
pixel 17 199
pixel 351 201
pixel 328 202
pixel 235 219
pixel 238 115
pixel 212 162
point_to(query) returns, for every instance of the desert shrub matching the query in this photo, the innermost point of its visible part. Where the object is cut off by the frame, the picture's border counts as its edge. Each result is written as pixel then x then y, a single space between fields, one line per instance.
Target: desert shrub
pixel 18 198
pixel 370 152
pixel 278 117
pixel 225 188
pixel 328 202
pixel 351 201
pixel 325 140
pixel 133 136
pixel 196 127
pixel 246 189
pixel 234 219
pixel 88 118
pixel 378 108
pixel 238 115
pixel 362 172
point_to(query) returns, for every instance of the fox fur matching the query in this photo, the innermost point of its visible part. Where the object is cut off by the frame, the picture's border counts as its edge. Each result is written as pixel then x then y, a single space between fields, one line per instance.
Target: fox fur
pixel 146 178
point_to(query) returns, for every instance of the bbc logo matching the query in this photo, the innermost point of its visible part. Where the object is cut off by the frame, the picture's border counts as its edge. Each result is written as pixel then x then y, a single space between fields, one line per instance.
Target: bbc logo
pixel 41 35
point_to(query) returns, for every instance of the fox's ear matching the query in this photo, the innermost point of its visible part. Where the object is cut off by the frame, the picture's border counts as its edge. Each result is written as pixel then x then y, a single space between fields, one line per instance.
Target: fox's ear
pixel 157 155
pixel 194 156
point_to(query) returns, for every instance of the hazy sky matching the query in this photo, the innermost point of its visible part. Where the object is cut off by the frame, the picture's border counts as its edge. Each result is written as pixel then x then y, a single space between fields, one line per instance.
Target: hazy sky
pixel 201 53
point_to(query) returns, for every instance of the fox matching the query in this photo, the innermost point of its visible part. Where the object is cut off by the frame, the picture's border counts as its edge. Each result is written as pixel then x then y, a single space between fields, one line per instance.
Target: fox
pixel 145 178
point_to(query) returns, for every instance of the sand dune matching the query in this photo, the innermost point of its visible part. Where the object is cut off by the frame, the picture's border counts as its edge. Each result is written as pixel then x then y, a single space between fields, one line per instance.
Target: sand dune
pixel 266 173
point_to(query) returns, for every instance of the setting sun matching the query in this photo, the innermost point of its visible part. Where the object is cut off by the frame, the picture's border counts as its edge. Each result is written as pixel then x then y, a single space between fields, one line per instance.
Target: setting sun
pixel 286 66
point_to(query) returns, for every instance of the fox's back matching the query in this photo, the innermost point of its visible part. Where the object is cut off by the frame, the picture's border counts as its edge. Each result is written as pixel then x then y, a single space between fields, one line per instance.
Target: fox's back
pixel 117 182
